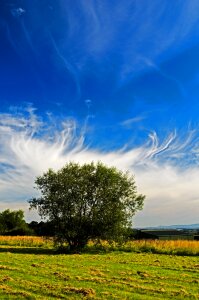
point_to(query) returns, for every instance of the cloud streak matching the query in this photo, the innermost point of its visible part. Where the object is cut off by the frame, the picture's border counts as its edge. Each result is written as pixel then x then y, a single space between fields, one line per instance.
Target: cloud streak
pixel 17 12
pixel 67 65
pixel 130 122
pixel 29 146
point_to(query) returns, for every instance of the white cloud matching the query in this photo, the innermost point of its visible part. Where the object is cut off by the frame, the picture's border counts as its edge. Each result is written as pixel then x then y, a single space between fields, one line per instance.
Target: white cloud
pixel 28 147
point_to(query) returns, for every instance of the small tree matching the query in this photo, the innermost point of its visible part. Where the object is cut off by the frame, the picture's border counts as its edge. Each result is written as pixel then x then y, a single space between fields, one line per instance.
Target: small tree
pixel 86 202
pixel 12 222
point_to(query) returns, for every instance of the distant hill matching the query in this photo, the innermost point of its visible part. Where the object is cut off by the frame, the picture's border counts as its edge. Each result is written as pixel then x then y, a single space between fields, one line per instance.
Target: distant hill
pixel 190 226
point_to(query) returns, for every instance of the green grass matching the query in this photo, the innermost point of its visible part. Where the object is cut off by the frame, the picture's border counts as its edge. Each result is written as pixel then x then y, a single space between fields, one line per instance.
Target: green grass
pixel 39 273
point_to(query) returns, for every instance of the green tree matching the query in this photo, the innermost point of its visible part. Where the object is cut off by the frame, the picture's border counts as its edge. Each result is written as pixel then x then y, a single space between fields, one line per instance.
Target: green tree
pixel 86 202
pixel 12 221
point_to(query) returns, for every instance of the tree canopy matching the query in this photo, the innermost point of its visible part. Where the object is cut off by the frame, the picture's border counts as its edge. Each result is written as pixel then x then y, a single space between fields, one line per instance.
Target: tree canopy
pixel 86 202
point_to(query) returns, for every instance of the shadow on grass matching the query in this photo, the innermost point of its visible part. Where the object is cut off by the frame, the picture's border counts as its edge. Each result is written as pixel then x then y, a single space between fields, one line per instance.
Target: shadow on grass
pixel 87 250
pixel 94 250
pixel 51 251
pixel 28 250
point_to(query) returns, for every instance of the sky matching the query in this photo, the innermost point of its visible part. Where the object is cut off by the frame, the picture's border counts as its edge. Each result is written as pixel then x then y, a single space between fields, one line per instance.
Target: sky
pixel 115 81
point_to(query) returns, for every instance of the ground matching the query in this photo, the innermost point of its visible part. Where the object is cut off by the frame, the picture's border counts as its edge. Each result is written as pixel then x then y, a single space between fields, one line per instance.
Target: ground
pixel 36 273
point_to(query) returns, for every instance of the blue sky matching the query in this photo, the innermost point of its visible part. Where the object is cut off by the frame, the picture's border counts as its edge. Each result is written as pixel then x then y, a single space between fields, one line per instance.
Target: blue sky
pixel 116 81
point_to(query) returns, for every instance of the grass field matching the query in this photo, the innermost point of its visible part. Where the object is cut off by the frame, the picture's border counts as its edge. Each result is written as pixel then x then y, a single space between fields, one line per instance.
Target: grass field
pixel 34 271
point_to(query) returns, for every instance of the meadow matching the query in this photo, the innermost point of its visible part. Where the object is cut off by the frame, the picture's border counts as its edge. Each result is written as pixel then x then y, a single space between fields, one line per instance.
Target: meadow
pixel 31 269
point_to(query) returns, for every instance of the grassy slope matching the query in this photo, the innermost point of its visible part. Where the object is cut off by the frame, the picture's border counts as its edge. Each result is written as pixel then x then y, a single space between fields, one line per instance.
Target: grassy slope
pixel 41 275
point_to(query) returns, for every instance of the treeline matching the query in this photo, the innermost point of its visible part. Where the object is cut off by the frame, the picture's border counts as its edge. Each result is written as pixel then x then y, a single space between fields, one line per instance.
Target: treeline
pixel 12 223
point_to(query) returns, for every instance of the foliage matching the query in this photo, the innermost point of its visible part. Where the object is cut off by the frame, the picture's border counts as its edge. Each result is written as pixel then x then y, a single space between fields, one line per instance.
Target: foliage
pixel 13 223
pixel 85 202
pixel 42 228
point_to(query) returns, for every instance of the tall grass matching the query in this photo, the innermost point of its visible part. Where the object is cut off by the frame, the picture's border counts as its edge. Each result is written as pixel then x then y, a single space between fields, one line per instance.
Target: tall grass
pixel 25 241
pixel 177 247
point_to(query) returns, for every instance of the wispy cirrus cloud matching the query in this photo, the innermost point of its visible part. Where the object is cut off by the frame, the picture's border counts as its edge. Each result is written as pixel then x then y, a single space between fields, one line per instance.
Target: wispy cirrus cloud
pixel 129 122
pixel 166 171
pixel 17 12
pixel 81 48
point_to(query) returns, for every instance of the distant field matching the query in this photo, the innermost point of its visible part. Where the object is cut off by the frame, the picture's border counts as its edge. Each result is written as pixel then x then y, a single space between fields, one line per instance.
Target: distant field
pixel 177 247
pixel 30 269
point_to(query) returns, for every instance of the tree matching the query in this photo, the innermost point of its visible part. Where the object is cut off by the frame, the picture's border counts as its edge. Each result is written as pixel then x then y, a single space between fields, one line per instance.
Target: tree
pixel 13 223
pixel 87 202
